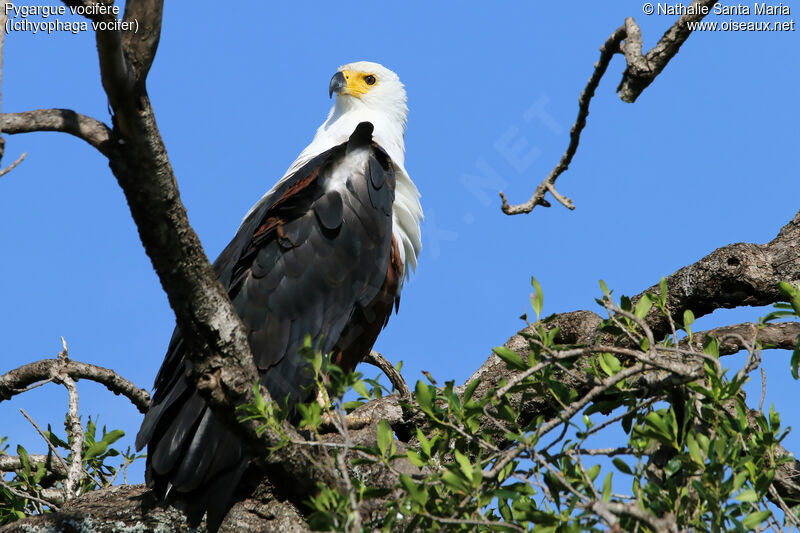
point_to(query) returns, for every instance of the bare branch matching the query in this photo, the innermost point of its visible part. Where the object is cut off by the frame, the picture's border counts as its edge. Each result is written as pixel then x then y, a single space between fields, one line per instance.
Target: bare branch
pixel 74 432
pixel 90 130
pixel 76 439
pixel 17 380
pixel 665 523
pixel 607 51
pixel 781 335
pixel 115 71
pixel 13 165
pixel 141 46
pixel 642 69
pixel 376 359
pixel 640 72
pixel 732 276
pixel 50 445
pixel 10 463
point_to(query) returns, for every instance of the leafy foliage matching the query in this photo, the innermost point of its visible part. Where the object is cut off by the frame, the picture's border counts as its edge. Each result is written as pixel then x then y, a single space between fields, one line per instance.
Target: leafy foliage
pixel 689 458
pixel 28 489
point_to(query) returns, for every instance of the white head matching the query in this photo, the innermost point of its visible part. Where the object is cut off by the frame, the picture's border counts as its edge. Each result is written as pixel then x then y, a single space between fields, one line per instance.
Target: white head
pixel 369 92
pixel 369 85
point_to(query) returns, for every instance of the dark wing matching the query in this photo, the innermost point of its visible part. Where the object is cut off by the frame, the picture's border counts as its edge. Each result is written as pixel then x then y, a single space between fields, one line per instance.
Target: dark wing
pixel 312 258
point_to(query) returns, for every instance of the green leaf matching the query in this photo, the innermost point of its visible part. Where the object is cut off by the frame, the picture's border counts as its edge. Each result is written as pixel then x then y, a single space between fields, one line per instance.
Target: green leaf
pixel 470 390
pixel 537 298
pixel 711 348
pixel 607 487
pixel 361 389
pixel 739 480
pixel 694 449
pixel 643 306
pixel 113 436
pixel 98 448
pixel 795 362
pixel 424 443
pixel 415 458
pixel 454 482
pixel 622 466
pixel 748 495
pixel 688 319
pixel 384 436
pixel 593 472
pixel 774 419
pixel 755 519
pixel 512 360
pixel 792 293
pixel 24 459
pixel 423 396
pixel 464 465
pixel 604 288
pixel 609 363
pixel 417 492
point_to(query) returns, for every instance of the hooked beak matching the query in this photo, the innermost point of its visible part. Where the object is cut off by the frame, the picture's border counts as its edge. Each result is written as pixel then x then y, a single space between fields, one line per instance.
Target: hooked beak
pixel 338 83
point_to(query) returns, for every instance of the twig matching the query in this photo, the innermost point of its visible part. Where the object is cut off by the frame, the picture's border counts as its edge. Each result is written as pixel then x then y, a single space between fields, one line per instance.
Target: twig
pixel 763 389
pixel 13 165
pixel 471 522
pixel 788 513
pixel 47 440
pixel 640 72
pixel 353 524
pixel 607 51
pixel 665 523
pixel 376 359
pixel 25 495
pixel 74 431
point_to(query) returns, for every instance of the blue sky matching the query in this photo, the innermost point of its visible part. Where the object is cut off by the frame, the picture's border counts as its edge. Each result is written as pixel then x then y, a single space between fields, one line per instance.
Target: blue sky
pixel 707 156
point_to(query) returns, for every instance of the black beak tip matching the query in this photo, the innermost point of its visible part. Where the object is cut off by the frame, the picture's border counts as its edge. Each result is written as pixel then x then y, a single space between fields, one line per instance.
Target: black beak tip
pixel 337 84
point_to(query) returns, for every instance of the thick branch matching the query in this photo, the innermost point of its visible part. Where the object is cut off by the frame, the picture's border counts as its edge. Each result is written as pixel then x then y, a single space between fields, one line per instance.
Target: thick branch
pixel 141 45
pixel 11 463
pixel 133 508
pixel 642 69
pixel 90 130
pixel 640 72
pixel 781 335
pixel 732 276
pixel 19 379
pixel 115 71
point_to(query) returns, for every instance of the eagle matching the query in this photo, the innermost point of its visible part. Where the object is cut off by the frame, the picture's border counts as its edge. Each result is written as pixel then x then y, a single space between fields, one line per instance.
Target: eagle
pixel 323 254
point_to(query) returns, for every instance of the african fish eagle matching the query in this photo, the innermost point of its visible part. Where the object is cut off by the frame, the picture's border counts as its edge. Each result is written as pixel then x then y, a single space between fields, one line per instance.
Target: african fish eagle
pixel 324 253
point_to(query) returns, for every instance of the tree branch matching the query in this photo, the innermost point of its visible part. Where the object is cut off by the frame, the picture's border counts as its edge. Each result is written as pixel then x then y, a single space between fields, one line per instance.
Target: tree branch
pixel 141 45
pixel 642 69
pixel 18 380
pixel 781 335
pixel 11 463
pixel 115 71
pixel 736 275
pixel 607 51
pixel 376 359
pixel 134 507
pixel 640 72
pixel 89 129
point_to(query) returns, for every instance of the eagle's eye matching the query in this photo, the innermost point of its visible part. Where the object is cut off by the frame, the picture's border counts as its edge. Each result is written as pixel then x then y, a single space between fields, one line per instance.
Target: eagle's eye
pixel 370 79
